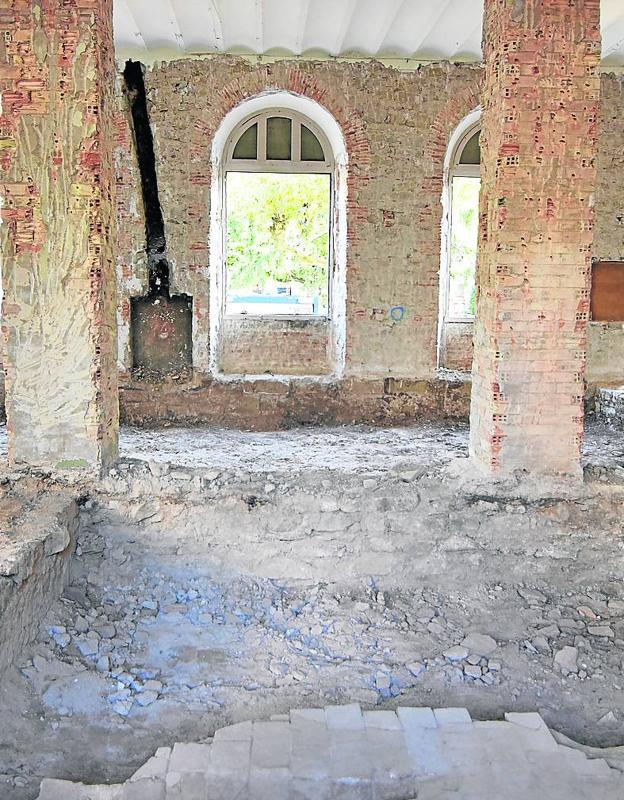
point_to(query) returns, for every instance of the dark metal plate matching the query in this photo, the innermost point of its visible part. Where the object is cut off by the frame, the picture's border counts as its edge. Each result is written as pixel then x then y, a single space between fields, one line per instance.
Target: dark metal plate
pixel 162 334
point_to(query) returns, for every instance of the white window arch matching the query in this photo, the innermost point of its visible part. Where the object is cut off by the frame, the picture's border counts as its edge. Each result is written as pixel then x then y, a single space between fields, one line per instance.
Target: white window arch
pixel 279 140
pixel 460 228
pixel 279 211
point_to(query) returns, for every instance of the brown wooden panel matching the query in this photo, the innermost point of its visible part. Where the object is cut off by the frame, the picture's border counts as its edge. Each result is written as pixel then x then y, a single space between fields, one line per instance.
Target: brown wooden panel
pixel 607 292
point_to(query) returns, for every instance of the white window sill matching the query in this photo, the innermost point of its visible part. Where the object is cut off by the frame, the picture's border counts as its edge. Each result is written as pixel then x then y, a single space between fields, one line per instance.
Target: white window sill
pixel 280 317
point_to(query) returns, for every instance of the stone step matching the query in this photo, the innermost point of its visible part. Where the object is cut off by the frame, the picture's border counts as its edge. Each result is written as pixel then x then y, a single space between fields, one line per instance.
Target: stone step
pixel 66 790
pixel 340 751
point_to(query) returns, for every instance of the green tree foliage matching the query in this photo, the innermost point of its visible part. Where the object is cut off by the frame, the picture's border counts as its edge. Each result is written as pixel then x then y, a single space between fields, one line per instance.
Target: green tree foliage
pixel 464 239
pixel 277 231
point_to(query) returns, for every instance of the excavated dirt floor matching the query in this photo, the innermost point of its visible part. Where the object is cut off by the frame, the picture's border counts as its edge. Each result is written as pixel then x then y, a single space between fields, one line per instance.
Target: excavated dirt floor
pixel 224 576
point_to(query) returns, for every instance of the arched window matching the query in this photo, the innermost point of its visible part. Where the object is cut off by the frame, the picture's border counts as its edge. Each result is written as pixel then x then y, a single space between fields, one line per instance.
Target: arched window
pixel 278 200
pixel 462 224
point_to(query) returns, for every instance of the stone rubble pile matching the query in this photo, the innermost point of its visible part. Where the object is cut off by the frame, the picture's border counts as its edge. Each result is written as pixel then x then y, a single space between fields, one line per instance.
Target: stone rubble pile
pixel 117 616
pixel 105 625
pixel 130 621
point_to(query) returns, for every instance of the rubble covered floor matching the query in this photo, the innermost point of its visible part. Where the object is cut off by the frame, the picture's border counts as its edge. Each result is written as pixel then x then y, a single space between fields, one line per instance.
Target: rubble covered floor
pixel 349 448
pixel 223 576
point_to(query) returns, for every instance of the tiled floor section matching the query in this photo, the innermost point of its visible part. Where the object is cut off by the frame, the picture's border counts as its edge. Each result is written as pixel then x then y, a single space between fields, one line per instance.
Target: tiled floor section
pixel 340 753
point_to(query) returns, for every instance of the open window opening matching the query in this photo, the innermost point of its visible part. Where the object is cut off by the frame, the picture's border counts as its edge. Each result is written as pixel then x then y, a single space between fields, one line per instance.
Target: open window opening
pixel 465 185
pixel 278 241
pixel 279 211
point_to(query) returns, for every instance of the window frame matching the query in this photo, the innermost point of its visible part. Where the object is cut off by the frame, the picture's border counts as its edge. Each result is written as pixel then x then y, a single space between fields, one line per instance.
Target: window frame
pixel 457 170
pixel 293 166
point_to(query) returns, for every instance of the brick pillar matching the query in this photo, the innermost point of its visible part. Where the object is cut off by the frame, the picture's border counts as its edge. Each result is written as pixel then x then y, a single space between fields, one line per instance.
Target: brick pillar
pixel 540 106
pixel 56 180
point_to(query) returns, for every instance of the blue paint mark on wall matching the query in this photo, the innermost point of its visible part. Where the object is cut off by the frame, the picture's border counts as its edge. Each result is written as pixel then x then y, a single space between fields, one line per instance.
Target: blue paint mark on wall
pixel 397 313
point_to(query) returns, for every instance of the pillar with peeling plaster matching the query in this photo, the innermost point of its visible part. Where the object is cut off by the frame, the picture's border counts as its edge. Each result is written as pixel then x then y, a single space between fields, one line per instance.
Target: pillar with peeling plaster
pixel 56 142
pixel 540 107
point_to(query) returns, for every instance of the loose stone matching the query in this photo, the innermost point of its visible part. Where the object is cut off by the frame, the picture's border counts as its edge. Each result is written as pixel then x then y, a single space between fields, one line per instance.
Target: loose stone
pixel 566 660
pixel 601 630
pixel 480 644
pixel 457 653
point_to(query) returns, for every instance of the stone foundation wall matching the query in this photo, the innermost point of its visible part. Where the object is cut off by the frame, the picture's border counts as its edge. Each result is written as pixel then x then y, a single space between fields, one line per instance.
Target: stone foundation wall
pixel 34 565
pixel 267 404
pixel 429 525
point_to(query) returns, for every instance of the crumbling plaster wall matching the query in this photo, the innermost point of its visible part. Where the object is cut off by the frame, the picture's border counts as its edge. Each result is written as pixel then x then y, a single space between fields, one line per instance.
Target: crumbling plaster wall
pixel 130 250
pixel 56 238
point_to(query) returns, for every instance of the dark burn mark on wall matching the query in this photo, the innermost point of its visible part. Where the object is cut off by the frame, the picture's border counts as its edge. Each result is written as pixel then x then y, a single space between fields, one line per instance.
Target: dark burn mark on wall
pixel 154 223
pixel 161 325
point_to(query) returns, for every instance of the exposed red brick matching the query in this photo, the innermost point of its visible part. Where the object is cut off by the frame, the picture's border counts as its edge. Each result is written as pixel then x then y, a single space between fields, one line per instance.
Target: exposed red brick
pixel 541 79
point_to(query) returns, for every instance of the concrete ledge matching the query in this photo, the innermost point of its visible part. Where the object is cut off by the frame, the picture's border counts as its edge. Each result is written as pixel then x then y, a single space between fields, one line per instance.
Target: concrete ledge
pixel 35 553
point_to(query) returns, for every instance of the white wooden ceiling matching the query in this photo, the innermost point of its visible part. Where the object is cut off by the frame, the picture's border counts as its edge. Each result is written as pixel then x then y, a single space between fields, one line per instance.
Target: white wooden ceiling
pixel 423 30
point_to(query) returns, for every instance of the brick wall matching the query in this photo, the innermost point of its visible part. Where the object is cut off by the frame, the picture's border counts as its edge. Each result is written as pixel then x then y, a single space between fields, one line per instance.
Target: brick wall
pixel 396 126
pixel 403 122
pixel 57 77
pixel 605 346
pixel 253 347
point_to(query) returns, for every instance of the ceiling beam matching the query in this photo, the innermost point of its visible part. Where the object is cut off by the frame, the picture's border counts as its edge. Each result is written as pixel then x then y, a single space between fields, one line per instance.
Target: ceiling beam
pixel 394 7
pixel 258 26
pixel 343 28
pixel 217 24
pixel 301 27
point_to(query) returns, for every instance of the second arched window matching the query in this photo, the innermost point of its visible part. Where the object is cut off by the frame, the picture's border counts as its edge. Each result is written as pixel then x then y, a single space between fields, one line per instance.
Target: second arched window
pixel 465 183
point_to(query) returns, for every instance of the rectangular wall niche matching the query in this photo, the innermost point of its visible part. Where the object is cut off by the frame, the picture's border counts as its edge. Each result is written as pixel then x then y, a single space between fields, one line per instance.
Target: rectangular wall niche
pixel 607 292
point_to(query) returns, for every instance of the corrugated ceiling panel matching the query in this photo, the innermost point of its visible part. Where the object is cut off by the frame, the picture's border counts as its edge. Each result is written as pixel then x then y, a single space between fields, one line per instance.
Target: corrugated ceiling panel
pixel 327 24
pixel 157 23
pixel 423 29
pixel 283 24
pixel 369 26
pixel 127 30
pixel 453 27
pixel 199 24
pixel 242 25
